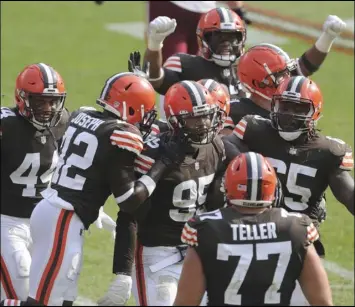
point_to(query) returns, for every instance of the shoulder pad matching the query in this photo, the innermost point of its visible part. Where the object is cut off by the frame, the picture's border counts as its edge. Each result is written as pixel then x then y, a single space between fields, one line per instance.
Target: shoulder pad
pixel 340 149
pixel 250 122
pixel 127 137
pixel 174 63
pixel 7 113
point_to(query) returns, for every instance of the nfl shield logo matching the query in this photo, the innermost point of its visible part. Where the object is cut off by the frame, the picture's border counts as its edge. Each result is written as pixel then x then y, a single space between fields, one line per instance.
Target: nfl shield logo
pixel 293 151
pixel 197 166
pixel 43 139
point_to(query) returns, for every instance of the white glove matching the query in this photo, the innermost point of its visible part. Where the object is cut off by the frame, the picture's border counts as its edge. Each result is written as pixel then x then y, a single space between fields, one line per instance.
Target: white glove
pixel 106 222
pixel 158 30
pixel 332 28
pixel 118 293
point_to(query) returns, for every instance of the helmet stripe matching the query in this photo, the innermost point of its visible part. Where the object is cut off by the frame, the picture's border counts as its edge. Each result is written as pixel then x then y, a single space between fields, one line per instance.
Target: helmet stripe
pixel 109 83
pixel 223 15
pixel 254 172
pixel 210 84
pixel 49 76
pixel 295 84
pixel 260 176
pixel 195 93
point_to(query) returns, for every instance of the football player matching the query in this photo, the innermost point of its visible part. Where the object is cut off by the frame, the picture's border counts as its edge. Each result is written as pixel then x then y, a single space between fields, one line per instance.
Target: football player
pixel 221 35
pixel 120 289
pixel 193 116
pixel 306 161
pixel 95 159
pixel 30 133
pixel 250 253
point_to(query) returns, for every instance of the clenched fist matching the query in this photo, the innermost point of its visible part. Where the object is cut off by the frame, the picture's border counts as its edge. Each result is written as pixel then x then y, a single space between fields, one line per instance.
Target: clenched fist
pixel 158 30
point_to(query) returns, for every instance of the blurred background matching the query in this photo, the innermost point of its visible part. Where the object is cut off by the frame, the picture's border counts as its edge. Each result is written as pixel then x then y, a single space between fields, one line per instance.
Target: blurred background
pixel 87 43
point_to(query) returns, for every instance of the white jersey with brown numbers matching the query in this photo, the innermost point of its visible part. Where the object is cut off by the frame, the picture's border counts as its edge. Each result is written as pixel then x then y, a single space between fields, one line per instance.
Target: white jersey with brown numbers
pixel 250 259
pixel 180 193
pixel 182 66
pixel 28 159
pixel 94 150
pixel 303 168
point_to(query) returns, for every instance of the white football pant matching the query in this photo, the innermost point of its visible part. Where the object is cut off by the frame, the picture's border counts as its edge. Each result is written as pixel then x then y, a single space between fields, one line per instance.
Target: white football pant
pixel 58 237
pixel 16 245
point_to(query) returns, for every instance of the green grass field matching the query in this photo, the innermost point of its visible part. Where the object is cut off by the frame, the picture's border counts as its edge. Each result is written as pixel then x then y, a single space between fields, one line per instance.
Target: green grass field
pixel 71 36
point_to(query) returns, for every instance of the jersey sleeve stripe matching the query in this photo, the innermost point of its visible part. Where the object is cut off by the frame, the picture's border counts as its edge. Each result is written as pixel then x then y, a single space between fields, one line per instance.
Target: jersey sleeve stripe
pixel 128 135
pixel 142 166
pixel 239 129
pixel 172 62
pixel 348 162
pixel 138 169
pixel 127 146
pixel 155 129
pixel 174 68
pixel 145 159
pixel 228 123
pixel 312 233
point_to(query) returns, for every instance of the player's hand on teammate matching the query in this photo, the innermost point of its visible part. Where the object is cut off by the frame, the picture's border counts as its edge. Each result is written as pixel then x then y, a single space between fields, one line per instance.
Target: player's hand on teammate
pixel 158 30
pixel 334 26
pixel 173 150
pixel 104 221
pixel 134 65
pixel 118 293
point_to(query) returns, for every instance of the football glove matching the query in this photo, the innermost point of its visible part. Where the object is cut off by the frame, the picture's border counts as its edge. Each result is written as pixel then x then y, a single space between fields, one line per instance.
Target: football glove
pixel 134 65
pixel 118 292
pixel 158 30
pixel 332 28
pixel 333 25
pixel 106 222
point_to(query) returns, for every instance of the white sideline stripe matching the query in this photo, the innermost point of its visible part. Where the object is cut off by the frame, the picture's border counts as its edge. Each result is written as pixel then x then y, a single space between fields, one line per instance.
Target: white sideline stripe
pixel 136 30
pixel 338 270
pixel 298 28
pixel 83 301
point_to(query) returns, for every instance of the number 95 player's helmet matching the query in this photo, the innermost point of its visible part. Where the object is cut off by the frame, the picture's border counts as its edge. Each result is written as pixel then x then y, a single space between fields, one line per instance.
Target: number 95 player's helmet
pixel 40 95
pixel 250 181
pixel 131 98
pixel 192 111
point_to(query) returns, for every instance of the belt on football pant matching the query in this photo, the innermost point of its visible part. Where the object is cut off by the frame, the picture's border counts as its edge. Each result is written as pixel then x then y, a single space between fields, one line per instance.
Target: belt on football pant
pixel 177 257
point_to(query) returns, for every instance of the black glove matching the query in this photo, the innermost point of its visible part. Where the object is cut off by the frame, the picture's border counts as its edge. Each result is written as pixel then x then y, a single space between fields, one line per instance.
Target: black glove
pixel 173 149
pixel 134 65
pixel 242 14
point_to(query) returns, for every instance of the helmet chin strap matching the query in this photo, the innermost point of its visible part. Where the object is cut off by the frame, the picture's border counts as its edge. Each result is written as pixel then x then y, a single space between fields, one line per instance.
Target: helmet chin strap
pixel 290 136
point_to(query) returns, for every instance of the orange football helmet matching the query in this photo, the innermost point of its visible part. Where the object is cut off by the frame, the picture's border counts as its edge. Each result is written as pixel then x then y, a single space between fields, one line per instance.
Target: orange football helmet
pixel 131 98
pixel 192 111
pixel 262 68
pixel 220 93
pixel 296 107
pixel 221 36
pixel 40 95
pixel 250 181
